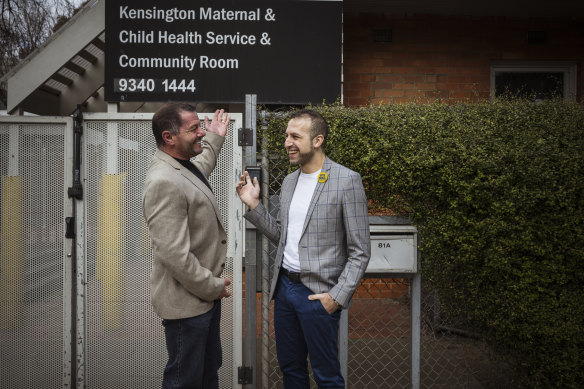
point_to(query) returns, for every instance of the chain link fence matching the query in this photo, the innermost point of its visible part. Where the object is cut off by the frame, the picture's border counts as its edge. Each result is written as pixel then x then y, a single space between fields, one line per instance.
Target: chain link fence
pixel 379 353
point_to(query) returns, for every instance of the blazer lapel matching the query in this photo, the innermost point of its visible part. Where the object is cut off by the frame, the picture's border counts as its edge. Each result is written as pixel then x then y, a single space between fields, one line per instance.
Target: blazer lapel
pixel 193 180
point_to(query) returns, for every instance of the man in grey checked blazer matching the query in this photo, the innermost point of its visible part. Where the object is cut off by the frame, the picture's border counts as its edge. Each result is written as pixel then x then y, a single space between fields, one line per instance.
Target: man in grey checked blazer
pixel 323 250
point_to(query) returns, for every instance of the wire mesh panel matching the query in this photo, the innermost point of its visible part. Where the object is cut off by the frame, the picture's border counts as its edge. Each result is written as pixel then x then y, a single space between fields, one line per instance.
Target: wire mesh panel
pixel 453 357
pixel 125 339
pixel 379 334
pixel 32 253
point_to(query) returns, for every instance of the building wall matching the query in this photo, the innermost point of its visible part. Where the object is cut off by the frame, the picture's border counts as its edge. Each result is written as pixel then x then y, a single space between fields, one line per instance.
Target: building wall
pixel 433 57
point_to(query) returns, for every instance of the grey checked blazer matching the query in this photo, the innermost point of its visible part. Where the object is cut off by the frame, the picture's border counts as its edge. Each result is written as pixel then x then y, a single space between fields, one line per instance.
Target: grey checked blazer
pixel 334 247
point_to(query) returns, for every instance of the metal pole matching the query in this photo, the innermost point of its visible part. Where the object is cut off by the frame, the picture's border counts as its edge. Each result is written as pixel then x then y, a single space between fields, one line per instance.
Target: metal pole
pixel 251 253
pixel 344 343
pixel 77 264
pixel 416 297
pixel 264 266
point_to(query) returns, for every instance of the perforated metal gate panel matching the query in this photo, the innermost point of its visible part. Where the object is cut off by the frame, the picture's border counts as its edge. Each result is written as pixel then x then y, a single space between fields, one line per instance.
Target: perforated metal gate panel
pixel 124 339
pixel 32 254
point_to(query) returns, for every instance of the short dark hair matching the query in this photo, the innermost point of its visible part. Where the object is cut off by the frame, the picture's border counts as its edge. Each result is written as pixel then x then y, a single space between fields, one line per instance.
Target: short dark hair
pixel 318 126
pixel 167 118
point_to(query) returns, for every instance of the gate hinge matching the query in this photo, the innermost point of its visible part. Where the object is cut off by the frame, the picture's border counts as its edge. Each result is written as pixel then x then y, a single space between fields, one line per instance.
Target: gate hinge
pixel 245 137
pixel 244 375
pixel 78 120
pixel 75 191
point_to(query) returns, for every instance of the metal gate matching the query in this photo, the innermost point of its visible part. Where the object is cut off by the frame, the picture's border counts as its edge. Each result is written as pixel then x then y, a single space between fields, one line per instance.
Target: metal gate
pixel 81 314
pixel 34 272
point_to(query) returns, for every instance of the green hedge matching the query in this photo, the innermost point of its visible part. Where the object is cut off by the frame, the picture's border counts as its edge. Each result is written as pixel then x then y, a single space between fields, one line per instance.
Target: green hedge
pixel 496 191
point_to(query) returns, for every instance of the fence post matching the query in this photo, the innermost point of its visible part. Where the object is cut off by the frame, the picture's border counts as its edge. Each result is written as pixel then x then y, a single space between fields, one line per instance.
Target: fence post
pixel 416 312
pixel 251 254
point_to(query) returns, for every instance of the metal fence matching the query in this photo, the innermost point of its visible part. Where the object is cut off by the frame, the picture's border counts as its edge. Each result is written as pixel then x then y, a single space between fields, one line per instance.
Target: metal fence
pixel 119 336
pixel 379 336
pixel 110 337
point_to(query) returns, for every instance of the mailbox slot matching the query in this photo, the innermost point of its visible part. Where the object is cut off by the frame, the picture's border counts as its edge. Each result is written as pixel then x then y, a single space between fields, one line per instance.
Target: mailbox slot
pixel 393 249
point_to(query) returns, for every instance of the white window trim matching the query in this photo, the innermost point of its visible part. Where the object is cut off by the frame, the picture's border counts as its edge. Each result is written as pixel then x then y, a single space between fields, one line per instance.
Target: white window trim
pixel 568 68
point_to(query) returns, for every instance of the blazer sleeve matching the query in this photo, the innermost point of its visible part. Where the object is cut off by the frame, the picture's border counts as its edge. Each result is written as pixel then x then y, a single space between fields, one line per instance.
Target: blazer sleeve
pixel 207 160
pixel 356 223
pixel 265 223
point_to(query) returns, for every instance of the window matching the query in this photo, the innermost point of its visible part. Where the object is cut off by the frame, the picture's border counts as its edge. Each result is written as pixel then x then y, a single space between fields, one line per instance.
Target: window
pixel 537 79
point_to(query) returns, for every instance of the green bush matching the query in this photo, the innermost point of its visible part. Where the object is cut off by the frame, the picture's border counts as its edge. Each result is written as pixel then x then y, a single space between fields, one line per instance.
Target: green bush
pixel 496 192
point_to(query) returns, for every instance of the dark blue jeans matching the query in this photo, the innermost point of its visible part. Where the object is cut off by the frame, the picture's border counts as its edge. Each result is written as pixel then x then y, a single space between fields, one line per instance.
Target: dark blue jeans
pixel 304 328
pixel 194 351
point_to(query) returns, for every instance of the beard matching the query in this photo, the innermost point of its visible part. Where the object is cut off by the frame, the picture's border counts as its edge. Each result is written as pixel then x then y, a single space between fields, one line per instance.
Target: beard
pixel 303 158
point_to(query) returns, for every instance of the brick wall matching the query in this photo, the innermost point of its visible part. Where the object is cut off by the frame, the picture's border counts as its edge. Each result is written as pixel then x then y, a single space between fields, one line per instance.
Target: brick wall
pixel 449 58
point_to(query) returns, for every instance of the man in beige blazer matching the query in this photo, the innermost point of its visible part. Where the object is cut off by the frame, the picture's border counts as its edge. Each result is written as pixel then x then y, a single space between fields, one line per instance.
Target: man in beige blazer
pixel 189 243
pixel 323 250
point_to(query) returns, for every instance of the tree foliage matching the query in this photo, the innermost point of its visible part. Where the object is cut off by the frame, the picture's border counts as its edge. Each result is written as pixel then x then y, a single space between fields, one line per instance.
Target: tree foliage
pixel 24 26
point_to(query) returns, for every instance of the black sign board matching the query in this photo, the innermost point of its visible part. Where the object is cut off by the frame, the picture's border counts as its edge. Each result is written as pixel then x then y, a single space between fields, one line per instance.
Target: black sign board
pixel 284 51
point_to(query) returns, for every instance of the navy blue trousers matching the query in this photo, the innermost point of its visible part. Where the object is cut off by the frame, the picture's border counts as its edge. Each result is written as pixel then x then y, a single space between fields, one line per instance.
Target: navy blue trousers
pixel 304 328
pixel 194 351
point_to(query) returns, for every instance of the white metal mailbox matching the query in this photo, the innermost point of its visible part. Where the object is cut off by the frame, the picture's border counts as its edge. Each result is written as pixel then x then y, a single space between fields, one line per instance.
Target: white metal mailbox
pixel 393 249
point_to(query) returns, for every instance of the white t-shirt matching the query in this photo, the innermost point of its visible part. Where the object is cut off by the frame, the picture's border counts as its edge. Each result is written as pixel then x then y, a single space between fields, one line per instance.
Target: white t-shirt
pixel 296 217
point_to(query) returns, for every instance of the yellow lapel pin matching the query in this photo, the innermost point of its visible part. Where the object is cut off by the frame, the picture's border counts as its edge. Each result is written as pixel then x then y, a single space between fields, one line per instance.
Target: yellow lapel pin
pixel 322 177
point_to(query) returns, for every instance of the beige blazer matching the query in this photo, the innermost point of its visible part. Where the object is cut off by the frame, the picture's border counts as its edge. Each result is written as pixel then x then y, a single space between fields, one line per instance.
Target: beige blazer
pixel 188 238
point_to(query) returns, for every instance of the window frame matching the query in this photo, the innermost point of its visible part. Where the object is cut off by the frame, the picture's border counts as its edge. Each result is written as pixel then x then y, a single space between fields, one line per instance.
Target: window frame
pixel 568 68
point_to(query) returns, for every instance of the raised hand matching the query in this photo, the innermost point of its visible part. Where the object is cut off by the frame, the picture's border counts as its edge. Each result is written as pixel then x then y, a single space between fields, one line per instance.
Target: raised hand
pixel 248 191
pixel 219 123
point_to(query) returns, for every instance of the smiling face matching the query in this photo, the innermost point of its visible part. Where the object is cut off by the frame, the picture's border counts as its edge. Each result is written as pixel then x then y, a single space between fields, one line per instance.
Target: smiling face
pixel 188 142
pixel 298 141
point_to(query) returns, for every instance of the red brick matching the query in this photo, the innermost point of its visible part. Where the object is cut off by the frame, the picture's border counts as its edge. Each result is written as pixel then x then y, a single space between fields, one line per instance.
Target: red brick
pixel 380 101
pixel 415 93
pixel 390 78
pixel 402 100
pixel 446 70
pixel 446 86
pixel 356 86
pixel 404 86
pixel 393 93
pixel 384 85
pixel 437 94
pixel 383 69
pixel 425 86
pixel 356 101
pixel 404 70
pixel 468 86
pixel 459 95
